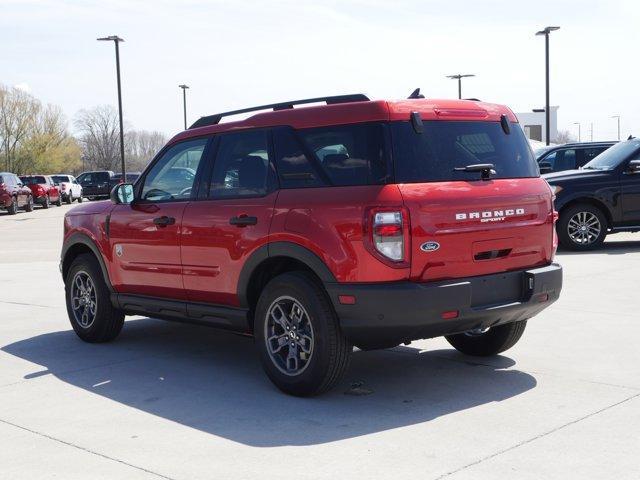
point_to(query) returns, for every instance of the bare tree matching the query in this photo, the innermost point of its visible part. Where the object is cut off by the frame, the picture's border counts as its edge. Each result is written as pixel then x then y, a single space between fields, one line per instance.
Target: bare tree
pixel 565 136
pixel 141 146
pixel 99 137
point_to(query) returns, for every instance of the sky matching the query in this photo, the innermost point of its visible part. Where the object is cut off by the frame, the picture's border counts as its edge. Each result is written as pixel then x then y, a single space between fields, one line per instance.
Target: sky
pixel 235 54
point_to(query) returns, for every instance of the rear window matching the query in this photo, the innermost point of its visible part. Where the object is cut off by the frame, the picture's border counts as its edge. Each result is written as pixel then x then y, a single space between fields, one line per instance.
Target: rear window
pixel 60 178
pixel 33 180
pixel 443 146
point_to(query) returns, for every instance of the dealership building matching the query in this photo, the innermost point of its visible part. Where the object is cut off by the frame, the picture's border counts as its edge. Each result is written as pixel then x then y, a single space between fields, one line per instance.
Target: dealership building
pixel 533 123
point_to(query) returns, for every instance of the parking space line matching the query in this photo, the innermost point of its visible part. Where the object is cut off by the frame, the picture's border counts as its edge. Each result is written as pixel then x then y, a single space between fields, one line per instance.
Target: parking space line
pixel 537 437
pixel 79 447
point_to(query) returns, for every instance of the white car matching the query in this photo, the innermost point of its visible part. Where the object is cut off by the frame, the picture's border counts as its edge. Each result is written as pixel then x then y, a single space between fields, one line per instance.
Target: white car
pixel 70 189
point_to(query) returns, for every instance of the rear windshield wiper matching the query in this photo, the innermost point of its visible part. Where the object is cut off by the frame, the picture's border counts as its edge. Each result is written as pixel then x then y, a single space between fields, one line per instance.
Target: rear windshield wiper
pixel 485 169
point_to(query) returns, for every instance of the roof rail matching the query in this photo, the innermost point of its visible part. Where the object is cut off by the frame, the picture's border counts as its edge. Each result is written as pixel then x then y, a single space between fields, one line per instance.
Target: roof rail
pixel 215 119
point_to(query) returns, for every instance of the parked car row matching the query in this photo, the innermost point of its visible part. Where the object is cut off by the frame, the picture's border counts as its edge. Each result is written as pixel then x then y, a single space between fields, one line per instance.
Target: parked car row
pixel 45 190
pixel 98 184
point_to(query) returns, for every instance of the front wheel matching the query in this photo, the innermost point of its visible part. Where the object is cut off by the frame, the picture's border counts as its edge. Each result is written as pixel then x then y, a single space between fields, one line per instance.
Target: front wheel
pixel 490 341
pixel 80 199
pixel 46 203
pixel 302 349
pixel 13 208
pixel 69 199
pixel 582 227
pixel 92 316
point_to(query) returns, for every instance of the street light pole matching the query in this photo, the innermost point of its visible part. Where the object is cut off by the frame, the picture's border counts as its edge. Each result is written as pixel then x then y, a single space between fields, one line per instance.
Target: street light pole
pixel 579 136
pixel 115 39
pixel 546 32
pixel 618 118
pixel 184 102
pixel 459 77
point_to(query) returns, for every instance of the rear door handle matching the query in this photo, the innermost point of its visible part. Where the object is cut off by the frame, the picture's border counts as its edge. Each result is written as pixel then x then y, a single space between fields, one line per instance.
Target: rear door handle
pixel 164 221
pixel 243 220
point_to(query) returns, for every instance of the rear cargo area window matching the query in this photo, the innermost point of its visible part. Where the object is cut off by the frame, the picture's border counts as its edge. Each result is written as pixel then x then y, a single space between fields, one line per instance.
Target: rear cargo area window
pixel 433 155
pixel 348 154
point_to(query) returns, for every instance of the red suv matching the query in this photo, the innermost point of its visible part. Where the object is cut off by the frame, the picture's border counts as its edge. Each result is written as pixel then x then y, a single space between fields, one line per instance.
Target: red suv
pixel 13 194
pixel 44 189
pixel 355 223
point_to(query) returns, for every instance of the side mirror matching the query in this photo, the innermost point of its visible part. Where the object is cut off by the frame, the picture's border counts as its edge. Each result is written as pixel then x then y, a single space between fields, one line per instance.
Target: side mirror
pixel 122 194
pixel 545 167
pixel 634 166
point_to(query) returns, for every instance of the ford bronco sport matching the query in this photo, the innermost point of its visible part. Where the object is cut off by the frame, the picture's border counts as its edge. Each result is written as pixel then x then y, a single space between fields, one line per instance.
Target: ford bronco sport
pixel 319 228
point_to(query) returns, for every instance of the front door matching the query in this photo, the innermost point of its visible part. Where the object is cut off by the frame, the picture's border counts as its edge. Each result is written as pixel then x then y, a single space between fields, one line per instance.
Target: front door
pixel 230 220
pixel 145 235
pixel 630 182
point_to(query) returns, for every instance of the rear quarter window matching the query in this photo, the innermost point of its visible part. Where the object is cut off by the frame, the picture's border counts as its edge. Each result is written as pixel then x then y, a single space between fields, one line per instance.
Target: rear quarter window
pixel 443 146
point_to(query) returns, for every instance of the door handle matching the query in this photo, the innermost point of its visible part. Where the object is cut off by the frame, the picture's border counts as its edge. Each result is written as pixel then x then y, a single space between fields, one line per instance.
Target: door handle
pixel 164 221
pixel 243 220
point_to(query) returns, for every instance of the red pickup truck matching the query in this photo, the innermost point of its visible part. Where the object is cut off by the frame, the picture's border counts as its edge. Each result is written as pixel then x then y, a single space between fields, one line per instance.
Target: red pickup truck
pixel 45 192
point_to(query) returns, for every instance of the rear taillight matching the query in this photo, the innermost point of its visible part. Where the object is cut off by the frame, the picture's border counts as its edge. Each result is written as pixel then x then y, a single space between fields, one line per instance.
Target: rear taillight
pixel 387 235
pixel 63 187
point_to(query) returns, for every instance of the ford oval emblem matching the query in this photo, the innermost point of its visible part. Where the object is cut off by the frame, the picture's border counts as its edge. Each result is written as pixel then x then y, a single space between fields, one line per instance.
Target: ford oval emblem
pixel 429 246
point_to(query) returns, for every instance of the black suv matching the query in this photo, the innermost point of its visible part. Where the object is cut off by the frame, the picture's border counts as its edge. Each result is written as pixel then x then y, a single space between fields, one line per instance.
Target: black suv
pixel 569 156
pixel 97 184
pixel 602 197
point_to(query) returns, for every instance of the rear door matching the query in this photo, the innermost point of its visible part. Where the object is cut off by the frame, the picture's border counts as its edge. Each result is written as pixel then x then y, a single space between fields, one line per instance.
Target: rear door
pixel 462 225
pixel 230 219
pixel 145 235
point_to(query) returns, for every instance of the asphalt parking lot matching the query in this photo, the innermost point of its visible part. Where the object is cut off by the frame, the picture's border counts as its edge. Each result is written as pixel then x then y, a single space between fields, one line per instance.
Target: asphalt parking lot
pixel 181 402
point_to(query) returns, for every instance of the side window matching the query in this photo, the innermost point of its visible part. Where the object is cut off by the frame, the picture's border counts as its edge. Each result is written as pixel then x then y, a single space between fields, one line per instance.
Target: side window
pixel 349 154
pixel 588 154
pixel 242 167
pixel 295 170
pixel 173 176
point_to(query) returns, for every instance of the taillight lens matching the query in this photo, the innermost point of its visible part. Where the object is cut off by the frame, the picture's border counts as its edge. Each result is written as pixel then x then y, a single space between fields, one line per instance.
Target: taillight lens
pixel 387 235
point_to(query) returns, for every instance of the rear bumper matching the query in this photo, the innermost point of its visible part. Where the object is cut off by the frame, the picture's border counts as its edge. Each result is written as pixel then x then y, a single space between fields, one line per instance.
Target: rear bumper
pixel 386 314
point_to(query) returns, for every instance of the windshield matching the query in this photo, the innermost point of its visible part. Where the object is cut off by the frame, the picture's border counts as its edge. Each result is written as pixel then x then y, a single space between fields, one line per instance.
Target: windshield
pixel 538 152
pixel 612 157
pixel 443 146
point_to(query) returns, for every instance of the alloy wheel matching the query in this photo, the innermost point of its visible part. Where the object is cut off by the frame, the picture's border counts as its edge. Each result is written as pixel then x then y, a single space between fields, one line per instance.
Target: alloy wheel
pixel 289 335
pixel 84 301
pixel 584 228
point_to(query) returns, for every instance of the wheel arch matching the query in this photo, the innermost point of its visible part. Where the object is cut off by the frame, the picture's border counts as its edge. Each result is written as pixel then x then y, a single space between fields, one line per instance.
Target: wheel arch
pixel 79 244
pixel 273 259
pixel 593 202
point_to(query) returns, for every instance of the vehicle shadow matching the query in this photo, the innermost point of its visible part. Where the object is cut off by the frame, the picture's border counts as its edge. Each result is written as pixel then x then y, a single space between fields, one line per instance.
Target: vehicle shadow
pixel 212 381
pixel 612 247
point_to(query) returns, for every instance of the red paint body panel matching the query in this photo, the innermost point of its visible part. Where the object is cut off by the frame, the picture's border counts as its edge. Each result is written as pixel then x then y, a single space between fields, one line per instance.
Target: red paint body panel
pixel 150 262
pixel 329 222
pixel 214 251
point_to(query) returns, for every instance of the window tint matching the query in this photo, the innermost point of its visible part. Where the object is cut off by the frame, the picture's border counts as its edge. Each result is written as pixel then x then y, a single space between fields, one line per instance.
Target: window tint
pixel 61 178
pixel 172 177
pixel 349 154
pixel 433 155
pixel 295 169
pixel 241 167
pixel 34 180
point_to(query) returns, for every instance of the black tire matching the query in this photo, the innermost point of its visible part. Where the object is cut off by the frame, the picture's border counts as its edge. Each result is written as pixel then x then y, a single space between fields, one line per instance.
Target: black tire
pixel 13 208
pixel 494 341
pixel 573 214
pixel 47 203
pixel 59 201
pixel 331 351
pixel 80 199
pixel 29 206
pixel 69 199
pixel 107 322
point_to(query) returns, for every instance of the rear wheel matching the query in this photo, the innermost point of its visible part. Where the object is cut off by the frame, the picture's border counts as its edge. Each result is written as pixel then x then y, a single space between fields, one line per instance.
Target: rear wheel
pixel 582 227
pixel 490 341
pixel 89 307
pixel 29 206
pixel 302 349
pixel 13 208
pixel 69 199
pixel 80 199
